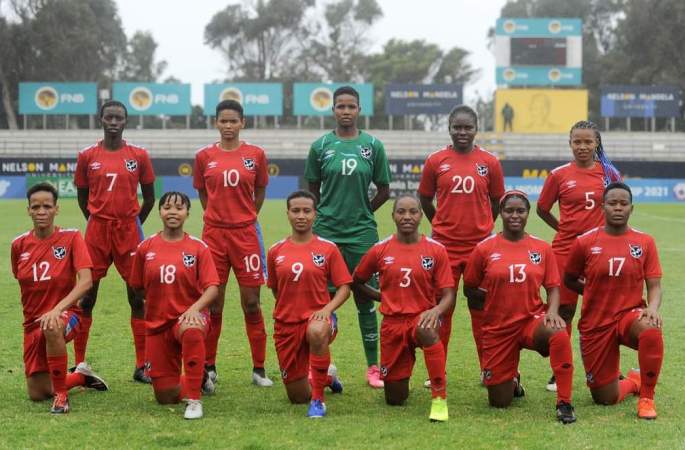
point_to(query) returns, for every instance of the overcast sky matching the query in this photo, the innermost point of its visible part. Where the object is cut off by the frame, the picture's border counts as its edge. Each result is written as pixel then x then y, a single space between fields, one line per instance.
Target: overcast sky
pixel 178 27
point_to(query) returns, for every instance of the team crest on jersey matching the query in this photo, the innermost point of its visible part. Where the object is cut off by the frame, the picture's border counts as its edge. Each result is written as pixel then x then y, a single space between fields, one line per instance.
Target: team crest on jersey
pixel 95 165
pixel 635 251
pixel 427 262
pixel 482 170
pixel 188 260
pixel 59 252
pixel 131 165
pixel 249 163
pixel 365 152
pixel 318 259
pixel 535 257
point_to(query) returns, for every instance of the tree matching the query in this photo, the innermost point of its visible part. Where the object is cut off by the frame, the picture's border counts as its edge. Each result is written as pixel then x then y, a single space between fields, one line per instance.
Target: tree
pixel 338 48
pixel 139 61
pixel 259 41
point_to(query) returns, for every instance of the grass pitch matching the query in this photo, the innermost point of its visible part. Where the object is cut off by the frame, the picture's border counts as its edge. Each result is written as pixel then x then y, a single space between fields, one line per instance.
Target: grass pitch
pixel 243 416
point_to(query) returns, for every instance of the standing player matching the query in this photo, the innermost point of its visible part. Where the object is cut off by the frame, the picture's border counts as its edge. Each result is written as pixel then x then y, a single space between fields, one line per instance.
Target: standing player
pixel 177 274
pixel 577 186
pixel 340 168
pixel 53 269
pixel 300 267
pixel 505 272
pixel 412 269
pixel 617 261
pixel 231 177
pixel 107 177
pixel 468 183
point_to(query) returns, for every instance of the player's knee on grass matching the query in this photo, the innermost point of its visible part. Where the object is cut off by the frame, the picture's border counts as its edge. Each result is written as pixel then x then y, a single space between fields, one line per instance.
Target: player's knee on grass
pixel 299 392
pixel 606 395
pixel 39 387
pixel 396 392
pixel 167 390
pixel 501 395
pixel 427 336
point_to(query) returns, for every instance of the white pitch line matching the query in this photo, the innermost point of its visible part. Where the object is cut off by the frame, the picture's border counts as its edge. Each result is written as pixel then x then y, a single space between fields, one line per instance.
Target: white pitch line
pixel 664 218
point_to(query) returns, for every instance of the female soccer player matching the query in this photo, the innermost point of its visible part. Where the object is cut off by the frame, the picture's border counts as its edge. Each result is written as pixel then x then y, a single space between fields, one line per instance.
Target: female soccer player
pixel 177 273
pixel 577 187
pixel 505 273
pixel 616 262
pixel 231 177
pixel 54 270
pixel 468 183
pixel 412 269
pixel 340 168
pixel 300 267
pixel 107 177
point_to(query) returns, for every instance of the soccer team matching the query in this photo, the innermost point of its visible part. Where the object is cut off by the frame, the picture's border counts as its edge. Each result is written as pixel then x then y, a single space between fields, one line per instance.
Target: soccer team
pixel 176 283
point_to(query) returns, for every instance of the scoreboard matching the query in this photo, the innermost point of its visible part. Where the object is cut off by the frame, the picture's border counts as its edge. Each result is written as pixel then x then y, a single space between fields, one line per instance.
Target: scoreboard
pixel 538 52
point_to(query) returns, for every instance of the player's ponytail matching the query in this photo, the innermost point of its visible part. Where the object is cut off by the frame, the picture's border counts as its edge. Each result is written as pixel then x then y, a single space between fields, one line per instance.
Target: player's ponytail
pixel 611 173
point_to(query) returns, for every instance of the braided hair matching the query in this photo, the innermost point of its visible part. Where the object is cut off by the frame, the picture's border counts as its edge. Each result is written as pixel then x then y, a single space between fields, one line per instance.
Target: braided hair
pixel 611 173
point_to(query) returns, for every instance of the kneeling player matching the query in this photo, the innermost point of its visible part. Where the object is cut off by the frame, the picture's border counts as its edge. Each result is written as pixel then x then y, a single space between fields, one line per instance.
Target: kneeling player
pixel 617 261
pixel 53 267
pixel 177 273
pixel 300 267
pixel 411 267
pixel 505 273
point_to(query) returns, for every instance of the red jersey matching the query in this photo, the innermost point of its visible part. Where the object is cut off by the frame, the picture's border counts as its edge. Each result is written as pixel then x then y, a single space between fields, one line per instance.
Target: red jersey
pixel 46 269
pixel 615 269
pixel 174 275
pixel 230 179
pixel 410 274
pixel 112 179
pixel 300 275
pixel 464 184
pixel 579 193
pixel 512 274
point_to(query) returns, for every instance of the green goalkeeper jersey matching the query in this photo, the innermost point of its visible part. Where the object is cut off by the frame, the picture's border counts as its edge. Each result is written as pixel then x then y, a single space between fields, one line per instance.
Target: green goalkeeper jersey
pixel 346 168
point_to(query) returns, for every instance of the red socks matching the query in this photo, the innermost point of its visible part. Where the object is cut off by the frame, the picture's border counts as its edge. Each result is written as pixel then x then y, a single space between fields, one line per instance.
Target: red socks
pixel 319 367
pixel 625 388
pixel 256 334
pixel 477 330
pixel 446 329
pixel 193 351
pixel 435 363
pixel 561 360
pixel 138 328
pixel 650 354
pixel 81 339
pixel 58 373
pixel 212 340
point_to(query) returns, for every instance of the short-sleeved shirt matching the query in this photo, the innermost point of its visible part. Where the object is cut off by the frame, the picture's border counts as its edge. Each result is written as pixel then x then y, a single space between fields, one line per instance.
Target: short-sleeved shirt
pixel 410 274
pixel 112 178
pixel 464 184
pixel 346 168
pixel 615 269
pixel 300 274
pixel 174 275
pixel 511 273
pixel 230 178
pixel 579 193
pixel 46 269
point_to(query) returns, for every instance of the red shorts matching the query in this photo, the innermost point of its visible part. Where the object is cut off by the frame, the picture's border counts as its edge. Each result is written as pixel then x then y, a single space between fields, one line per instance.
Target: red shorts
pixel 600 350
pixel 398 345
pixel 292 348
pixel 112 241
pixel 163 353
pixel 239 248
pixel 566 295
pixel 502 349
pixel 35 355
